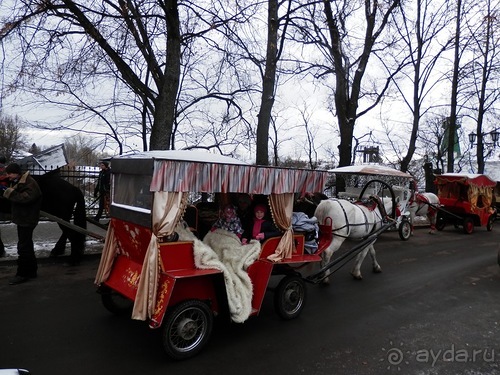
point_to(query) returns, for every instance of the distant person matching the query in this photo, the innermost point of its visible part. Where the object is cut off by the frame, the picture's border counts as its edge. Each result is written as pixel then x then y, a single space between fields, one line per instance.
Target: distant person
pixel 25 198
pixel 102 189
pixel 4 184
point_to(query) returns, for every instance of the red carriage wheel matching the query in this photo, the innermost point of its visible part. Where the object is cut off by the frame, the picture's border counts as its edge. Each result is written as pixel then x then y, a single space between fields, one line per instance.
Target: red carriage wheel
pixel 468 225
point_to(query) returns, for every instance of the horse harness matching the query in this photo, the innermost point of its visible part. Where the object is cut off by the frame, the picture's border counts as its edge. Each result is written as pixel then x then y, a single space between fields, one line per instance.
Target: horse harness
pixel 371 203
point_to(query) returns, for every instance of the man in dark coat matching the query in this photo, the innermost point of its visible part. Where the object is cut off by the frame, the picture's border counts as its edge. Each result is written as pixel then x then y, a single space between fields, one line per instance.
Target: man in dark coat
pixel 25 197
pixel 103 188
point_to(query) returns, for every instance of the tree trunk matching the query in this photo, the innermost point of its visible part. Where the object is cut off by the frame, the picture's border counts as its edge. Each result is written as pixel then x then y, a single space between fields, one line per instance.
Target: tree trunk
pixel 165 105
pixel 268 85
pixel 452 124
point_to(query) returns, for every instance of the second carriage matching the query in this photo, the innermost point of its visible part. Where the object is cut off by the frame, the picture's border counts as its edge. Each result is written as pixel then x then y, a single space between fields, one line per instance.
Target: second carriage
pixel 466 201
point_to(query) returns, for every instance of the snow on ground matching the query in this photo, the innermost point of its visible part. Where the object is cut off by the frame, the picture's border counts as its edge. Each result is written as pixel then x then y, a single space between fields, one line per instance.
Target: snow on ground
pixel 45 237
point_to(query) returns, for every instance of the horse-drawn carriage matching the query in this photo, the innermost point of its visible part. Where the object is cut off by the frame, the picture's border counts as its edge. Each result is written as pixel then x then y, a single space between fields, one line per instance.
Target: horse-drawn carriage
pixel 367 180
pixel 466 200
pixel 159 264
pixel 154 256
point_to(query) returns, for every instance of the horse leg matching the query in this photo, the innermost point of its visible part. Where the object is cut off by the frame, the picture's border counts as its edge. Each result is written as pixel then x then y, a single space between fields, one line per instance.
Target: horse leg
pixel 60 246
pixel 2 248
pixel 432 220
pixel 77 241
pixel 375 266
pixel 356 270
pixel 327 254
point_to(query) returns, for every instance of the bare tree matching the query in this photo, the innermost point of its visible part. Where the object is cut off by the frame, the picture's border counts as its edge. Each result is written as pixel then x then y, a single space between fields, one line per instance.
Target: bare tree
pixel 482 73
pixel 421 33
pixel 12 140
pixel 452 121
pixel 136 50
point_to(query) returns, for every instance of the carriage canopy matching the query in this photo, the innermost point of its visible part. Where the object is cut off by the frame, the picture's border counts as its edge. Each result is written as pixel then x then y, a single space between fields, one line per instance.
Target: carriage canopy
pixel 372 170
pixel 477 189
pixel 479 180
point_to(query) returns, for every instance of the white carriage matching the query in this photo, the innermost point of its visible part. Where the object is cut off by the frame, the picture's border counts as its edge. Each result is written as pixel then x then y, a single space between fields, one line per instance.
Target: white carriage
pixel 365 180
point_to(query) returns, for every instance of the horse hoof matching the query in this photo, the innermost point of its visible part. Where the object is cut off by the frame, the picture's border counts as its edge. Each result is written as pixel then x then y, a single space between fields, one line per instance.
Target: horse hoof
pixel 356 276
pixel 377 269
pixel 325 282
pixel 54 253
pixel 432 231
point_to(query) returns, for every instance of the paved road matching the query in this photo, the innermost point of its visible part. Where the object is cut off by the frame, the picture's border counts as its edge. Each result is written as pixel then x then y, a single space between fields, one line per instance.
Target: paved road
pixel 434 310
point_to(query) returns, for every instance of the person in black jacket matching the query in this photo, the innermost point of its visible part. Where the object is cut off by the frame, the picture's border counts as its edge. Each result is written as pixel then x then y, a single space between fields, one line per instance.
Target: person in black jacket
pixel 103 188
pixel 260 229
pixel 25 197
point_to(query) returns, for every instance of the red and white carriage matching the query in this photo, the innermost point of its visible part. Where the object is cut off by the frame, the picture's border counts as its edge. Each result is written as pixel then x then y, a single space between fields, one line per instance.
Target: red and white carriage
pixel 466 200
pixel 154 258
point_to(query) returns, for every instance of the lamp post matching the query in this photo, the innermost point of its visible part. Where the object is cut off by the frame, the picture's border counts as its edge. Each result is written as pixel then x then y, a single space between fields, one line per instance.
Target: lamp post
pixel 495 137
pixel 494 134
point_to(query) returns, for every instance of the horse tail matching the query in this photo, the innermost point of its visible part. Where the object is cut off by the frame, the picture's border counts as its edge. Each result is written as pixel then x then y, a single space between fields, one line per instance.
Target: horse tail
pixel 79 214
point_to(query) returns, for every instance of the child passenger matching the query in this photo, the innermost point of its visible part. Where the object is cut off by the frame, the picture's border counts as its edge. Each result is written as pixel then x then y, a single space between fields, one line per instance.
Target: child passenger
pixel 229 221
pixel 260 228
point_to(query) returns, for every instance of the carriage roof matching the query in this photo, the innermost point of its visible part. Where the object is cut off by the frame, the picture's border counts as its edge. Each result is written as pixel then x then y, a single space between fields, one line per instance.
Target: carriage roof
pixel 370 170
pixel 191 171
pixel 465 179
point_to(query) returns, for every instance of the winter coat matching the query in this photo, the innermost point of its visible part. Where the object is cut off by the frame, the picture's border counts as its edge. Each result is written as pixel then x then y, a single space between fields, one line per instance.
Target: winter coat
pixel 26 199
pixel 103 182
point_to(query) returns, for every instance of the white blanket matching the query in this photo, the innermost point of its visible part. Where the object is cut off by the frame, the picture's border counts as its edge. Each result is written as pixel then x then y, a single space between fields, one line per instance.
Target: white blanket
pixel 223 250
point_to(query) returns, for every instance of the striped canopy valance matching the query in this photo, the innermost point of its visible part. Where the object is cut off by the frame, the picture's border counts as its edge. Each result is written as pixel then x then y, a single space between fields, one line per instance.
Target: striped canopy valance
pixel 181 176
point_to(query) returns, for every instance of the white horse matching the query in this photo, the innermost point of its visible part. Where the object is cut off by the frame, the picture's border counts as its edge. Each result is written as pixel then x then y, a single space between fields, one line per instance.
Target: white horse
pixel 424 204
pixel 355 221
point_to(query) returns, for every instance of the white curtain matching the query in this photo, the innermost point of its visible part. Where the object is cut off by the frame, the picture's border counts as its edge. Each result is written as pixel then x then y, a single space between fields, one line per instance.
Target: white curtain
pixel 167 209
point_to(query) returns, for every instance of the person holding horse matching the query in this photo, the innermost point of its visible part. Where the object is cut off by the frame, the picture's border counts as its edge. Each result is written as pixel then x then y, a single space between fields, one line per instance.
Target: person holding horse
pixel 103 188
pixel 25 197
pixel 260 229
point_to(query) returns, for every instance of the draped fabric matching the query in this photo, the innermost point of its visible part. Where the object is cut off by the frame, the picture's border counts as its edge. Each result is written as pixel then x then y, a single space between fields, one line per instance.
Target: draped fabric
pixel 108 254
pixel 477 189
pixel 282 209
pixel 174 175
pixel 166 212
pixel 480 196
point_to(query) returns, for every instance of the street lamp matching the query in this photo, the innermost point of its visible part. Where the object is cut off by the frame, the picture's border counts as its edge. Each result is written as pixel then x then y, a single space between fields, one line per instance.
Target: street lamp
pixel 494 134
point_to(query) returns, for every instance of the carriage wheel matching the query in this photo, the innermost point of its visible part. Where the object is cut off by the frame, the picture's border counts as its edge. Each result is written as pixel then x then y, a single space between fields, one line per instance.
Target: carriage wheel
pixel 468 225
pixel 440 223
pixel 489 225
pixel 289 297
pixel 116 303
pixel 187 329
pixel 404 229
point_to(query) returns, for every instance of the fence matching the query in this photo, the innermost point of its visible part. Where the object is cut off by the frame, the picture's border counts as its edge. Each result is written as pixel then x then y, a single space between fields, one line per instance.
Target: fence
pixel 84 178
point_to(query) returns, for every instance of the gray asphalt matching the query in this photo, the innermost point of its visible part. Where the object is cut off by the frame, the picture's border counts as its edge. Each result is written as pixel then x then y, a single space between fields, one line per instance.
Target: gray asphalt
pixel 433 310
